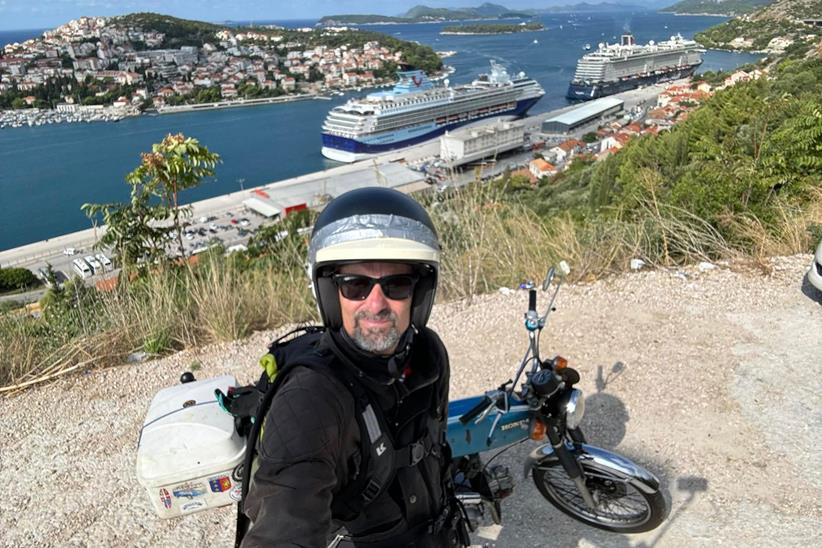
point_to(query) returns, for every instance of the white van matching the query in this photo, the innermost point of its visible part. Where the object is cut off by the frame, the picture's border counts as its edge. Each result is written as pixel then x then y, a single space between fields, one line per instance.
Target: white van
pixel 105 262
pixel 95 265
pixel 82 268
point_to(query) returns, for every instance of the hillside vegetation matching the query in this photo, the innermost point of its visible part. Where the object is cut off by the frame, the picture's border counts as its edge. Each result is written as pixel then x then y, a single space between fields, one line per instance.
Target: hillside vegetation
pixel 717 7
pixel 178 32
pixel 779 19
pixel 742 169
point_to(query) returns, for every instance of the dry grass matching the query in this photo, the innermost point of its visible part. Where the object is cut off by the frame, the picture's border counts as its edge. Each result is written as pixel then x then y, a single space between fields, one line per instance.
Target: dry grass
pixel 488 242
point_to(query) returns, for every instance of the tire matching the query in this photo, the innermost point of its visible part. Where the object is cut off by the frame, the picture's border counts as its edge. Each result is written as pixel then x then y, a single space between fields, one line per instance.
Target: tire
pixel 621 507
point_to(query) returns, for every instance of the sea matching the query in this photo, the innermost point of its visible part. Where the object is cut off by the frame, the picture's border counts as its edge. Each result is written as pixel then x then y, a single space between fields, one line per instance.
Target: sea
pixel 48 172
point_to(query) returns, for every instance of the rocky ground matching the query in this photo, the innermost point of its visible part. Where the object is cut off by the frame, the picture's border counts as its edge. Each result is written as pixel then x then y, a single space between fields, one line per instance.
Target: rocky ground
pixel 719 395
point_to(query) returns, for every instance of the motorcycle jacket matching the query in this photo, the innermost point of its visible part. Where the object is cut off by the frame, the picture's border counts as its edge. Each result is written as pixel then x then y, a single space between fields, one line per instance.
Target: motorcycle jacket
pixel 356 441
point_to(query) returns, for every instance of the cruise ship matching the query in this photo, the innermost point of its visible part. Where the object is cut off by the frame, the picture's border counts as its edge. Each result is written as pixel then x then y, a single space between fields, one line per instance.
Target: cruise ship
pixel 614 68
pixel 416 110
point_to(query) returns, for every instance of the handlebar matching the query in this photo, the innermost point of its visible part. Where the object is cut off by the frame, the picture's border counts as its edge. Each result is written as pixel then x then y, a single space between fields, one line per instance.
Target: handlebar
pixel 476 410
pixel 532 300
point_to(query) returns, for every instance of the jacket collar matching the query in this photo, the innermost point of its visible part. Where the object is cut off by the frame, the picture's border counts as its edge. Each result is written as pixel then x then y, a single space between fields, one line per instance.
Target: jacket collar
pixel 378 372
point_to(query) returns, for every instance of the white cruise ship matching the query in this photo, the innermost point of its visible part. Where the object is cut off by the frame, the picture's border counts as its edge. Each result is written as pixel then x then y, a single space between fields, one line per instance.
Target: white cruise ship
pixel 416 110
pixel 614 68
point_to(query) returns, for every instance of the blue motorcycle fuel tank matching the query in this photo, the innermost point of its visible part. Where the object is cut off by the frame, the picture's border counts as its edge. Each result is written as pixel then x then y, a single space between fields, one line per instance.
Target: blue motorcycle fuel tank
pixel 466 439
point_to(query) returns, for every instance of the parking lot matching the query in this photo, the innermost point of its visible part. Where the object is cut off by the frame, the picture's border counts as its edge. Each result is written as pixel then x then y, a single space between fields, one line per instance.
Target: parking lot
pixel 229 228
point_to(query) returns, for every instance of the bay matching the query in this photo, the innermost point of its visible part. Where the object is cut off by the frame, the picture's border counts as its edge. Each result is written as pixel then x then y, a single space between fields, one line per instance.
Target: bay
pixel 19 36
pixel 48 172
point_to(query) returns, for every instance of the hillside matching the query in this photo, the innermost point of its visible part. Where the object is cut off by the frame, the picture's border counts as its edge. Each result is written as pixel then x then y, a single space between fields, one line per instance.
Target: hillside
pixel 774 28
pixel 105 60
pixel 589 7
pixel 716 7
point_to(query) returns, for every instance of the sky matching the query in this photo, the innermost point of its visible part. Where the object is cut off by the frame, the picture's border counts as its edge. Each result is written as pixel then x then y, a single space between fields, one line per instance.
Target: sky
pixel 37 14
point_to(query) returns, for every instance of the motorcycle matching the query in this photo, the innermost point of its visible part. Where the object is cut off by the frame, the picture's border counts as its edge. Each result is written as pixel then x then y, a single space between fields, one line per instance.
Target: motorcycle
pixel 590 484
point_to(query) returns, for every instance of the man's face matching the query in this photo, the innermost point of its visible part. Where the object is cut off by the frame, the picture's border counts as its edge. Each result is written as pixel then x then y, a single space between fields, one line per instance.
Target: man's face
pixel 376 324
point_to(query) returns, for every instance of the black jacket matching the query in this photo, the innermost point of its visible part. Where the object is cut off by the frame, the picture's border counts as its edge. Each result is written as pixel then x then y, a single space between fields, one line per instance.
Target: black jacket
pixel 310 448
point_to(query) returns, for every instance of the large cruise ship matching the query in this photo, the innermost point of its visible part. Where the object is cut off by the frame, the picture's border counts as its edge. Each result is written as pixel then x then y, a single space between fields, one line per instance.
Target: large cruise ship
pixel 416 110
pixel 614 68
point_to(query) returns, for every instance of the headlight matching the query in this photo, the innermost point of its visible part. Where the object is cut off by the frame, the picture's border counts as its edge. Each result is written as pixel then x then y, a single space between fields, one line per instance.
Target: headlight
pixel 574 408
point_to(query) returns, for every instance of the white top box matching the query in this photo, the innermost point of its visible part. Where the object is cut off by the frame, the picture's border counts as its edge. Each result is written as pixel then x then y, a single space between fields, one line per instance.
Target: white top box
pixel 189 456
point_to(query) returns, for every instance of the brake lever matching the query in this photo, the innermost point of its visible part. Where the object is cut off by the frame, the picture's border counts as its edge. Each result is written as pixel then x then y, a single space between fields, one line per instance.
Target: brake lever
pixel 493 405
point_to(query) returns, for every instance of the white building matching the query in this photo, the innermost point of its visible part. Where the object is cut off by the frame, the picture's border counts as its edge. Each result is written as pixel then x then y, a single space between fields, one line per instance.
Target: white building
pixel 470 144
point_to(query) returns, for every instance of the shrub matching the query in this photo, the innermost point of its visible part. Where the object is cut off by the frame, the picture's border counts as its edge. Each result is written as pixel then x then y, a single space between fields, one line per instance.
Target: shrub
pixel 16 278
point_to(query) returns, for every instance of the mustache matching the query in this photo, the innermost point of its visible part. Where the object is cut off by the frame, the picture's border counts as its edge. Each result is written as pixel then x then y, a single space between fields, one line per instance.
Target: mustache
pixel 384 314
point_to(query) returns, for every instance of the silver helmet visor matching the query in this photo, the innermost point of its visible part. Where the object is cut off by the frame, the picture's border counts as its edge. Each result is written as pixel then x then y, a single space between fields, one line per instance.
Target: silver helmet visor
pixel 362 228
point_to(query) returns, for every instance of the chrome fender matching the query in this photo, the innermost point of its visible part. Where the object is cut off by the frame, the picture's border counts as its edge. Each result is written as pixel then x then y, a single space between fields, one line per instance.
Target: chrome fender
pixel 596 457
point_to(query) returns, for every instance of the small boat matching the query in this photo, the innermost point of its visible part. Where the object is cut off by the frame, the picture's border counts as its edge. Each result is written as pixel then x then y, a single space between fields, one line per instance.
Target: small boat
pixel 536 42
pixel 587 47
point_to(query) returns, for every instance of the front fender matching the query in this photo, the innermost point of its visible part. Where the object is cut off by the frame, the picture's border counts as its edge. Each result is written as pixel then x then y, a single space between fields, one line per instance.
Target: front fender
pixel 596 457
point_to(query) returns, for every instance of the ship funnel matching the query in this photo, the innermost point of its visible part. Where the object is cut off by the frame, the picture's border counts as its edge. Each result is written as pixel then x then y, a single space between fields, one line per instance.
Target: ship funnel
pixel 628 40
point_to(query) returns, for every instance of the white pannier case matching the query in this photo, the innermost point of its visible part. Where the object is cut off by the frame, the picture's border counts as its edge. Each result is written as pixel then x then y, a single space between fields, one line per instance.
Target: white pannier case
pixel 189 457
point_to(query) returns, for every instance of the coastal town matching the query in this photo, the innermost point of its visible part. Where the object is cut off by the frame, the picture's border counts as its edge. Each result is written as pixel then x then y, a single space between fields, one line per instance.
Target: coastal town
pixel 99 68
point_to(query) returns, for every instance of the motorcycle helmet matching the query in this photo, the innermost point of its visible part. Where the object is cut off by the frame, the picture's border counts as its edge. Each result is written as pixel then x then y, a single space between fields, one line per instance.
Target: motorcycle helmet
pixel 373 224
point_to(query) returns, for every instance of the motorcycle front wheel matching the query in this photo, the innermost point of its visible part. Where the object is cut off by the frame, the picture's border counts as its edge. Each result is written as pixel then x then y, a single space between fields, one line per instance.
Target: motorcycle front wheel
pixel 620 507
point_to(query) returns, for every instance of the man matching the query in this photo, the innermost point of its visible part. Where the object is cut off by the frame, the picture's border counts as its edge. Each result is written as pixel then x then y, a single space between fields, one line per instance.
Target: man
pixel 358 438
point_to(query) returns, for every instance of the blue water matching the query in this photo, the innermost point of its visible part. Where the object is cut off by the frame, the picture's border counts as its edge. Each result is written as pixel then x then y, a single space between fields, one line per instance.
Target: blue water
pixel 12 36
pixel 47 172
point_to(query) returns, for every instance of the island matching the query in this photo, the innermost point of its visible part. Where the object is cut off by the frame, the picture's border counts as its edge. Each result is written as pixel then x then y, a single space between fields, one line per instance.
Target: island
pixel 493 28
pixel 106 68
pixel 425 14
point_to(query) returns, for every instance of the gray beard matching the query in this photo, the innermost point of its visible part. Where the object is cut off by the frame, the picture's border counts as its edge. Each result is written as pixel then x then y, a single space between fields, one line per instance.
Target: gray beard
pixel 376 341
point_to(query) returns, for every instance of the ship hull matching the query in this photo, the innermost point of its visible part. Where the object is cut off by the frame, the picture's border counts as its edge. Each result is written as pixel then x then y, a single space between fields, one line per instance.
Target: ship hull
pixel 344 149
pixel 587 92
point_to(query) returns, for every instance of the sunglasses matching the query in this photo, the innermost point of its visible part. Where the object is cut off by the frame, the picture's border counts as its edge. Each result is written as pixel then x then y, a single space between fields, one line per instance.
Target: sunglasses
pixel 355 287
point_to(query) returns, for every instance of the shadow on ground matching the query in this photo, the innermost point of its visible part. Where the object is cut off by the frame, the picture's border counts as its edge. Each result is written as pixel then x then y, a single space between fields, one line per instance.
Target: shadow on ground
pixel 810 291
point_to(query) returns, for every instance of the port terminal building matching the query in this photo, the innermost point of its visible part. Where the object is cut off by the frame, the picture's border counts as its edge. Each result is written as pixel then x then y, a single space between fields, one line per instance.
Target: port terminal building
pixel 581 116
pixel 471 144
pixel 315 189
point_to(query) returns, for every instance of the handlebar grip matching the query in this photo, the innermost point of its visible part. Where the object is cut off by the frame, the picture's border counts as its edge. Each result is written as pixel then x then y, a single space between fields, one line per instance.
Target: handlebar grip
pixel 476 410
pixel 532 300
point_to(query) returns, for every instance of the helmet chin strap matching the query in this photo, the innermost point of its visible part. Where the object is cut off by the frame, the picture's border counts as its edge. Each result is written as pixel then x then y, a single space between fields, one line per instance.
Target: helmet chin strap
pixel 393 364
pixel 397 361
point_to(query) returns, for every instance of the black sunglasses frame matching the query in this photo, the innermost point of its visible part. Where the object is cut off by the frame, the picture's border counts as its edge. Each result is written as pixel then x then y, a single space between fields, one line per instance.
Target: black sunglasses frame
pixel 340 281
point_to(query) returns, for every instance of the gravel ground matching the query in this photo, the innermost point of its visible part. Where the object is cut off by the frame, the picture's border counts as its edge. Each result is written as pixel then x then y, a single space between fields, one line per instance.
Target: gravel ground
pixel 719 396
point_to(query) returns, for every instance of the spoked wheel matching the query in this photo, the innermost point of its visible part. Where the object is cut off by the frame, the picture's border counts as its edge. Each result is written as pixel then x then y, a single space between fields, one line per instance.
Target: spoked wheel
pixel 620 507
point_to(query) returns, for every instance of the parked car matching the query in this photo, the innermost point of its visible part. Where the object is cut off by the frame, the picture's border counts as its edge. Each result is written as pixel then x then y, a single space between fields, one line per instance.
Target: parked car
pixel 815 271
pixel 69 251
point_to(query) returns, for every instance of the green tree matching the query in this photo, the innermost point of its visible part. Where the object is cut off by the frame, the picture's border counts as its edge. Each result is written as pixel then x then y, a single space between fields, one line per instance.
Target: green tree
pixel 16 278
pixel 133 229
pixel 176 164
pixel 137 230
